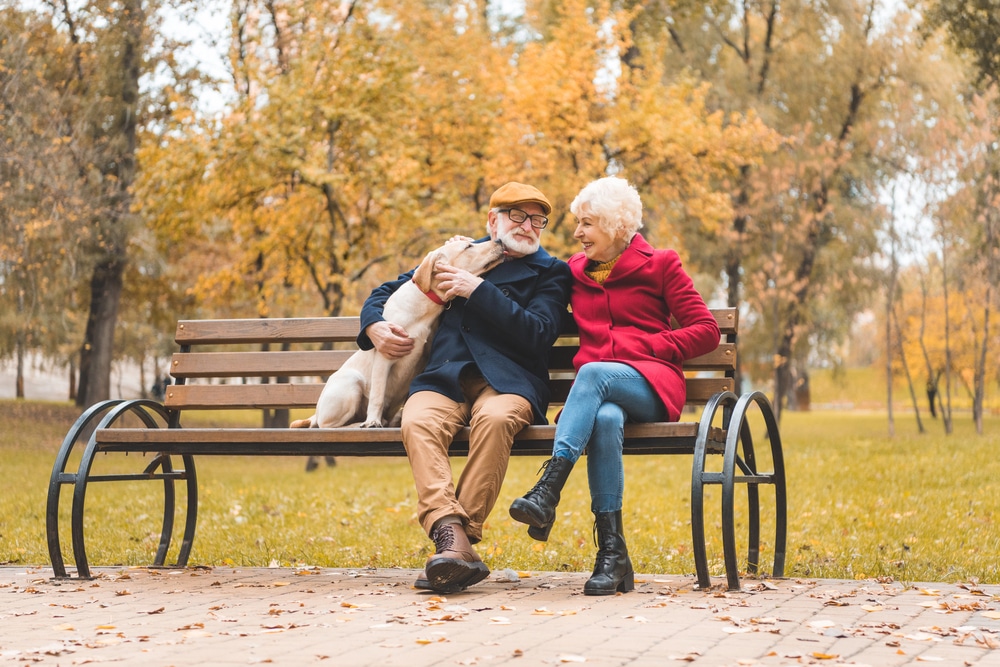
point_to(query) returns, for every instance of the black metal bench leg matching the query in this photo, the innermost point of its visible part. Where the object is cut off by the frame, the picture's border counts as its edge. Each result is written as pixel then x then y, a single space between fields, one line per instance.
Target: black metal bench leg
pixel 748 465
pixel 191 520
pixel 80 430
pixel 76 518
pixel 167 528
pixel 144 410
pixel 700 479
pixel 738 438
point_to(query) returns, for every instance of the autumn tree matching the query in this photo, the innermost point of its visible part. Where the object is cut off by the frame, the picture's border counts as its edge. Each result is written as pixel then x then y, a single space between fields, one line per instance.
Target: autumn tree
pixel 796 248
pixel 41 205
pixel 363 142
pixel 971 28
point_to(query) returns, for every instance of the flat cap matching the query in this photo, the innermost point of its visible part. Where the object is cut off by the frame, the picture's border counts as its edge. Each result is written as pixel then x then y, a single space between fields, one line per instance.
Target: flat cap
pixel 518 193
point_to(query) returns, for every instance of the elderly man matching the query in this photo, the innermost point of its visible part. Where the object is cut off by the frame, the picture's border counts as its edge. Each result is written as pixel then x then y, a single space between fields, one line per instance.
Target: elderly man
pixel 487 369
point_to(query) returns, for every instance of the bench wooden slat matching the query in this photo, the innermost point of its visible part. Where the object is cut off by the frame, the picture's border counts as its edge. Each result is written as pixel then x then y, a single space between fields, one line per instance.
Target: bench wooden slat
pixel 289 330
pixel 318 329
pixel 257 364
pixel 321 363
pixel 661 438
pixel 700 390
pixel 242 396
pixel 295 395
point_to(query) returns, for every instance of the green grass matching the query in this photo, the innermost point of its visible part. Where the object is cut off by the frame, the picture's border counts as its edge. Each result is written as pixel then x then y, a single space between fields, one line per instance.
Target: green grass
pixel 861 505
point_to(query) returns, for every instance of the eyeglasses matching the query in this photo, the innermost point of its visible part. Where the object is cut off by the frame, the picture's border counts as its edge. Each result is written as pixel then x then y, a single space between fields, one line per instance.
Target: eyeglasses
pixel 518 216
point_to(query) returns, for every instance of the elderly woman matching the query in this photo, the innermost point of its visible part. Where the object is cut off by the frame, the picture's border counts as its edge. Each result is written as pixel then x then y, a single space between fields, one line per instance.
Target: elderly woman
pixel 628 366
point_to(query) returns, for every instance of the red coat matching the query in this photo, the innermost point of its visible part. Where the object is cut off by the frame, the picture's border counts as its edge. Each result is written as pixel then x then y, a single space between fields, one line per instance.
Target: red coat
pixel 627 319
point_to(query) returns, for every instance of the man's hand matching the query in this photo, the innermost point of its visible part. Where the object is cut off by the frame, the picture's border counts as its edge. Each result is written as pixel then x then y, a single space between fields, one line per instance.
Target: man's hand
pixel 455 281
pixel 391 340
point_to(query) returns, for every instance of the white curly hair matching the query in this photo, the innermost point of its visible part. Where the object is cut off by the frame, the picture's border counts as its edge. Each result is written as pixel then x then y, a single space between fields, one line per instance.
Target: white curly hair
pixel 614 203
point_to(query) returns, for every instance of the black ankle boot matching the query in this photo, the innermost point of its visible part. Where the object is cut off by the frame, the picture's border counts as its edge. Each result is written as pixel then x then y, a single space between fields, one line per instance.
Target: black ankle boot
pixel 613 568
pixel 538 507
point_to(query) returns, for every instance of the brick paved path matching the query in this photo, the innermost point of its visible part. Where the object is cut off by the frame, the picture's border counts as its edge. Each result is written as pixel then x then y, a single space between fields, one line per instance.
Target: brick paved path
pixel 225 616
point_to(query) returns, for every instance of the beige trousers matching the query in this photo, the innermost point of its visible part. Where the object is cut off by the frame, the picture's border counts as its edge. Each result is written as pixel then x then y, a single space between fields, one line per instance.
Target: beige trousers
pixel 430 422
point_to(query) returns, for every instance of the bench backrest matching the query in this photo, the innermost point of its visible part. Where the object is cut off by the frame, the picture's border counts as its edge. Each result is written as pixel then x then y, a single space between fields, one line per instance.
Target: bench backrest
pixel 281 363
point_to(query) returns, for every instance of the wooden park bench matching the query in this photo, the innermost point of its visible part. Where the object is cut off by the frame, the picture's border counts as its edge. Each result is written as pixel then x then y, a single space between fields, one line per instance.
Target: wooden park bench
pixel 220 366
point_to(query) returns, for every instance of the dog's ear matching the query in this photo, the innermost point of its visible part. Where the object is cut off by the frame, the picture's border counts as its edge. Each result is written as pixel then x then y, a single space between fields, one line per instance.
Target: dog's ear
pixel 422 276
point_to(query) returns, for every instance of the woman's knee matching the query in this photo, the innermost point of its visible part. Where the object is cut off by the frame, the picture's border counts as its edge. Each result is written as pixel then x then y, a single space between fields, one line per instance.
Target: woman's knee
pixel 609 430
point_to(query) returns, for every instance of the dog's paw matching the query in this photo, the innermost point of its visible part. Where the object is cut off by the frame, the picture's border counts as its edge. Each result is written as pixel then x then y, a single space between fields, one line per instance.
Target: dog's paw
pixel 373 423
pixel 301 423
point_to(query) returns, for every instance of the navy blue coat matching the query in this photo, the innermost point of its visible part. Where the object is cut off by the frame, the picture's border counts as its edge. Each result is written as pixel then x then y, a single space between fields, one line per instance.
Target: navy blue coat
pixel 505 328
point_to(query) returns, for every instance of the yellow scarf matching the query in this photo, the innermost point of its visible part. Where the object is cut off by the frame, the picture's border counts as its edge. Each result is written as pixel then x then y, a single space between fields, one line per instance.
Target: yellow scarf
pixel 599 271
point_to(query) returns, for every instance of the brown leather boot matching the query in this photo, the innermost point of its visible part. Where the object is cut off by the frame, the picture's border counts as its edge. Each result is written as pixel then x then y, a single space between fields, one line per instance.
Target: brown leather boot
pixel 455 565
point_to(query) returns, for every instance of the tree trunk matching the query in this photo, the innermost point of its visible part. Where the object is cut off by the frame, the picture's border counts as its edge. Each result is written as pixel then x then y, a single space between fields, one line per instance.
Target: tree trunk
pixel 946 407
pixel 97 350
pixel 19 389
pixel 72 381
pixel 909 378
pixel 979 381
pixel 734 256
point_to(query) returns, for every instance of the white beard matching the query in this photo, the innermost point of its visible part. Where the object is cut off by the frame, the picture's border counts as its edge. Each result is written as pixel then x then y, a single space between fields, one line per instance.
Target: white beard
pixel 518 243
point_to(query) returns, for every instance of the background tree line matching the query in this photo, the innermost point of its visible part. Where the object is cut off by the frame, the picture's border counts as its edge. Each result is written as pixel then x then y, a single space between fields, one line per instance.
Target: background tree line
pixel 810 160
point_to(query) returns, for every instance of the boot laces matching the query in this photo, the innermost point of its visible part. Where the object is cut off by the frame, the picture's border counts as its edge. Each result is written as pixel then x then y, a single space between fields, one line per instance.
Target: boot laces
pixel 607 549
pixel 444 537
pixel 540 492
pixel 537 494
pixel 606 556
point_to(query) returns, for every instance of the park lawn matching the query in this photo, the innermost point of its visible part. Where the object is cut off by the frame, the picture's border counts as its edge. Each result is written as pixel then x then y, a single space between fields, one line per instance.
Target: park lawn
pixel 861 505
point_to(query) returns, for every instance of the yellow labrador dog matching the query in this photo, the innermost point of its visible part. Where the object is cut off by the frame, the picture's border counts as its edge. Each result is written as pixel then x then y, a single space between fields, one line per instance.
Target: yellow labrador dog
pixel 372 387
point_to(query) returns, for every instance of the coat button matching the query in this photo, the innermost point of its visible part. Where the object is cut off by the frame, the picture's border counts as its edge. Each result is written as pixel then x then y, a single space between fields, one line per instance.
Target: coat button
pixel 505 291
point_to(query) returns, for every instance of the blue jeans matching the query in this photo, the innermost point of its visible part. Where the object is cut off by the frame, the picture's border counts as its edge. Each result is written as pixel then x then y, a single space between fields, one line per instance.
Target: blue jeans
pixel 604 395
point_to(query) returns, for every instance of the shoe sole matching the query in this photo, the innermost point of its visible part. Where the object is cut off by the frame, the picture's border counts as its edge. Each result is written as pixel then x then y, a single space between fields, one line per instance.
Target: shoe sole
pixel 626 585
pixel 450 575
pixel 523 512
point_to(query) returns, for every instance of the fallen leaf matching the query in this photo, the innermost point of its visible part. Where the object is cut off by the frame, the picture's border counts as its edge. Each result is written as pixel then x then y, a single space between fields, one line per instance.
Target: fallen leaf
pixel 824 656
pixel 572 658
